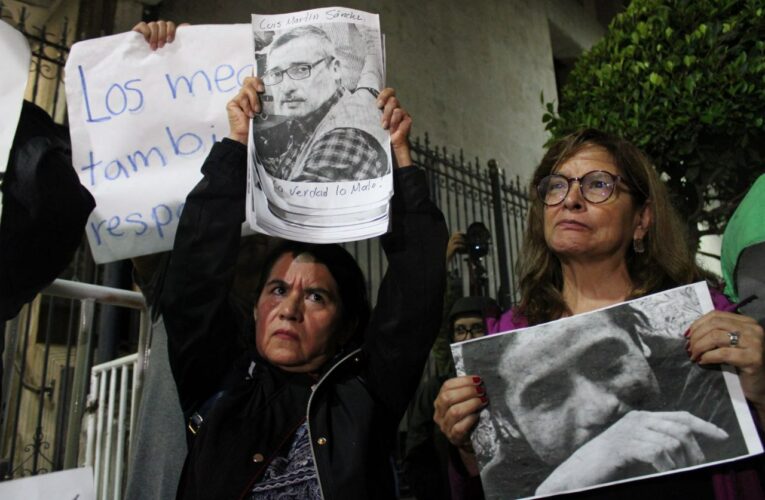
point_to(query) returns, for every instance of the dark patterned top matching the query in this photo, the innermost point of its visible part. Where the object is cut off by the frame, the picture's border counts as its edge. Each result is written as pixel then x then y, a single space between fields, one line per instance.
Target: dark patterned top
pixel 293 476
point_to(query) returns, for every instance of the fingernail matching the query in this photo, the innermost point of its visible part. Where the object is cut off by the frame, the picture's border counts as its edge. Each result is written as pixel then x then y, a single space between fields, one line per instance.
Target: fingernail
pixel 476 380
pixel 484 399
pixel 480 389
pixel 385 123
pixel 687 333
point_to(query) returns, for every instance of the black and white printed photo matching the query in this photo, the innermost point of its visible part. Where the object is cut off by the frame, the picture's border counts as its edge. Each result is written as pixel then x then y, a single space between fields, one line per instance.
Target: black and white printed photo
pixel 319 158
pixel 598 398
pixel 320 122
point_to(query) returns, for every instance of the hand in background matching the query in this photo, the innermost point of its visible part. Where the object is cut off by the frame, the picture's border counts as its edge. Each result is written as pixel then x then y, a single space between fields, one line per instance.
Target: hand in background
pixel 455 245
pixel 157 33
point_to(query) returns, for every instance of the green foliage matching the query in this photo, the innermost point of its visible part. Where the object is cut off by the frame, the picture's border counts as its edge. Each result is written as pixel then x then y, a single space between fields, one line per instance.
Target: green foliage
pixel 685 81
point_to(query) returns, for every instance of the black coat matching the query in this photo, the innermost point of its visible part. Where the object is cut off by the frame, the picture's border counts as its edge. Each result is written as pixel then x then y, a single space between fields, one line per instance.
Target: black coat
pixel 354 409
pixel 44 210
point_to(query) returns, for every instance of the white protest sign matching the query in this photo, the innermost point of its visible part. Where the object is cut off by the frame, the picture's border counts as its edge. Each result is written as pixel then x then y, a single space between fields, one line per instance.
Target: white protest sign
pixel 142 123
pixel 72 484
pixel 15 54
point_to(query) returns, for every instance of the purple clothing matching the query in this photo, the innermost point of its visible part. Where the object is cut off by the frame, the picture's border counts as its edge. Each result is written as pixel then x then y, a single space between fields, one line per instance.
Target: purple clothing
pixel 731 481
pixel 513 320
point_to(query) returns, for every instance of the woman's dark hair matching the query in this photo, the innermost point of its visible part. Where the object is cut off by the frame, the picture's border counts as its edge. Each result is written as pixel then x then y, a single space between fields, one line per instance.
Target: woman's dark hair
pixel 354 302
pixel 668 260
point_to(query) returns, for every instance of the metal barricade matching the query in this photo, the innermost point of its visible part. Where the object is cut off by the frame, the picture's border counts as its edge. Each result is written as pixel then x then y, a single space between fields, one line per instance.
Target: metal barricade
pixel 112 392
pixel 37 407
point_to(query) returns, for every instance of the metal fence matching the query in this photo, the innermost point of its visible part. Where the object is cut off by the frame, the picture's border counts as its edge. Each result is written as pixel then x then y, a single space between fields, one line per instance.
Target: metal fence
pixel 46 70
pixel 112 409
pixel 46 377
pixel 469 192
pixel 466 192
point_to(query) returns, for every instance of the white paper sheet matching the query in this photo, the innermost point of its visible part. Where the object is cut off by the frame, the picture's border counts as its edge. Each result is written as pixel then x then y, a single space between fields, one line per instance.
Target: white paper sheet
pixel 72 484
pixel 142 123
pixel 15 54
pixel 344 202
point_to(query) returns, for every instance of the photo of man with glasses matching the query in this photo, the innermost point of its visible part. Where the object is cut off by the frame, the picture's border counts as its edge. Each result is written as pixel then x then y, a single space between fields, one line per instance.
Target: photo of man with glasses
pixel 314 128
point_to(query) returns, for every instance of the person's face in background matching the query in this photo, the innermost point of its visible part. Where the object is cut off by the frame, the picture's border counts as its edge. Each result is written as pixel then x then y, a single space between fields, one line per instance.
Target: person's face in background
pixel 296 98
pixel 468 327
pixel 567 385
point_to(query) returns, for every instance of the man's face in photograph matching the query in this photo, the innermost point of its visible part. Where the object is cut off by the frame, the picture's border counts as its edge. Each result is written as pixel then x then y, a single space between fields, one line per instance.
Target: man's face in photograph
pixel 567 385
pixel 297 98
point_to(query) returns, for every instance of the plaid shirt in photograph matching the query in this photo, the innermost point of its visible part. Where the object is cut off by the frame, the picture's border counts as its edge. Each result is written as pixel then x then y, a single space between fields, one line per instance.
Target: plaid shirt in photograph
pixel 342 154
pixel 342 150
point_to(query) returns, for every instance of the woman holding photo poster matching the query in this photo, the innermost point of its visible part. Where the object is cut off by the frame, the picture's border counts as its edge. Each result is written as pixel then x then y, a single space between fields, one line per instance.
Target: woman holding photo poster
pixel 308 405
pixel 601 231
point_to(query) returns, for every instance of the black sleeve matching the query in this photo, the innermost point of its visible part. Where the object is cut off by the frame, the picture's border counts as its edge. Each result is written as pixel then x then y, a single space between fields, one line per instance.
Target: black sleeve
pixel 44 210
pixel 407 316
pixel 202 327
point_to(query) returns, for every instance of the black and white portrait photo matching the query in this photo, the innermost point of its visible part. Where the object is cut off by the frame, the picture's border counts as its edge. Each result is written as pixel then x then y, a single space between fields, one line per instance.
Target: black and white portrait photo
pixel 601 397
pixel 320 121
pixel 319 157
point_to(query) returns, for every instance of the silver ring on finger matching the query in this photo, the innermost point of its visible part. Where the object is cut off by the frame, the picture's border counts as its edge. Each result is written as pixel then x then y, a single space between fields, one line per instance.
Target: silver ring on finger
pixel 734 338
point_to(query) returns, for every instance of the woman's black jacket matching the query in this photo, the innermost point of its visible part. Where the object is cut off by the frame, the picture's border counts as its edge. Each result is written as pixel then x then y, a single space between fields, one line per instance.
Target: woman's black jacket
pixel 353 411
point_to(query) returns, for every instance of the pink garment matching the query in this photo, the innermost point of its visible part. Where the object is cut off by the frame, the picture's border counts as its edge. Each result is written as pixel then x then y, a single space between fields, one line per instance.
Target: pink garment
pixel 513 320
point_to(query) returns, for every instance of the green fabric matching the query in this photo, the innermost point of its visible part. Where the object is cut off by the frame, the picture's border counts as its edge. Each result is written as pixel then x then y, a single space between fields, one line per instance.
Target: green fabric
pixel 745 228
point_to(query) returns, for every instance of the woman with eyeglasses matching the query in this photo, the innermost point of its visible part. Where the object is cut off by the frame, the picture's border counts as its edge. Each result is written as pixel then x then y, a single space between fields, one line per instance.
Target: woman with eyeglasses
pixel 601 230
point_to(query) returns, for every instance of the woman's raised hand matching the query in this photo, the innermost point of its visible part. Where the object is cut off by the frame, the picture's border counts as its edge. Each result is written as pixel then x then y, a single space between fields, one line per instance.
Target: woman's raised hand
pixel 157 33
pixel 244 106
pixel 396 120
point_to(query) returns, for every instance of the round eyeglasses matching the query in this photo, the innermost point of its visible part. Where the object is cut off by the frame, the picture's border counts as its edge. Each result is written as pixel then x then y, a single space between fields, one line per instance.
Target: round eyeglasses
pixel 462 332
pixel 295 72
pixel 596 187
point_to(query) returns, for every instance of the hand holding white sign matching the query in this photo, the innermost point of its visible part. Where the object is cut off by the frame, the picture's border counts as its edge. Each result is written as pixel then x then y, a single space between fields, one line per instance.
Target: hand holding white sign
pixel 142 122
